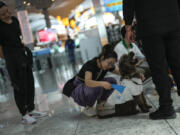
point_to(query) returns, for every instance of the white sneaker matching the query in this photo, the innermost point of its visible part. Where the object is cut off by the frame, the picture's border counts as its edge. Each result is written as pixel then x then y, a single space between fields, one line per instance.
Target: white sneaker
pixel 28 119
pixel 104 106
pixel 36 114
pixel 89 111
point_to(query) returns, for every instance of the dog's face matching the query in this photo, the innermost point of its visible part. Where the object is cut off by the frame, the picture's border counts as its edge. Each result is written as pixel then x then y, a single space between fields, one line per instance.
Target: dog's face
pixel 131 55
pixel 125 66
pixel 132 58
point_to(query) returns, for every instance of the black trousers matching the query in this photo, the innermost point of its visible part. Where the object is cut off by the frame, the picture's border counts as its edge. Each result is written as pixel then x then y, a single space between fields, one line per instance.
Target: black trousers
pixel 20 72
pixel 163 51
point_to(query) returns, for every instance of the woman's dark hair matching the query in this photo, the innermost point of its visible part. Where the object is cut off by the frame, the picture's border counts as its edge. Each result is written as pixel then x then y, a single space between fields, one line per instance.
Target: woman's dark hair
pixel 108 52
pixel 68 37
pixel 2 4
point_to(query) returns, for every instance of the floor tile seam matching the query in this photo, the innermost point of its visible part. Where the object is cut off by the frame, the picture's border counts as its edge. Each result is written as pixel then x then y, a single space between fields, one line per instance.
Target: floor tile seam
pixel 78 122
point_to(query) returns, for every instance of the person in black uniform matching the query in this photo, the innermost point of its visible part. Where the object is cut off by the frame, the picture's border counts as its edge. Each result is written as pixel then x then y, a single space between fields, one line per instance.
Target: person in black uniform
pixel 19 65
pixel 158 25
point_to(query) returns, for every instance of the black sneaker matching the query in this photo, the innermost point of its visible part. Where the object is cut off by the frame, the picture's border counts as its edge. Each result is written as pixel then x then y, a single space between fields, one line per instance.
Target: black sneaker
pixel 158 114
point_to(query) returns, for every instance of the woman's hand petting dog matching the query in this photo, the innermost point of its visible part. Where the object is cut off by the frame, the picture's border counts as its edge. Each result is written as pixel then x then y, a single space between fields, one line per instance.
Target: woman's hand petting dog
pixel 107 85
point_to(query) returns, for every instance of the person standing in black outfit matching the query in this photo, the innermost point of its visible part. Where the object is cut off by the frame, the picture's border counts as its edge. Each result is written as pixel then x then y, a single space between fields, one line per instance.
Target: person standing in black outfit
pixel 158 25
pixel 19 65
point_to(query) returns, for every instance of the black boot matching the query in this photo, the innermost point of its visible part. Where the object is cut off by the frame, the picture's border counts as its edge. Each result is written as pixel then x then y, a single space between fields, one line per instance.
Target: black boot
pixel 162 114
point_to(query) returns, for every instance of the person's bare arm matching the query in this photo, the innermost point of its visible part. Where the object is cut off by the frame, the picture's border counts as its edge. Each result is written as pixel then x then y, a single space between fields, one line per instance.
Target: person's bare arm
pixel 142 77
pixel 128 13
pixel 140 62
pixel 91 83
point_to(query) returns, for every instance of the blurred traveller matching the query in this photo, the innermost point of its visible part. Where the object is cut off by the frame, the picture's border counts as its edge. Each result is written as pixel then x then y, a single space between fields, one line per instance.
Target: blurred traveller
pixel 158 26
pixel 70 45
pixel 19 65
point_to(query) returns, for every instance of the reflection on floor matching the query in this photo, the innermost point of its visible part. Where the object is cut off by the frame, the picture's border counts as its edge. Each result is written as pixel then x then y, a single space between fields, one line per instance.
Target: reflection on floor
pixel 65 117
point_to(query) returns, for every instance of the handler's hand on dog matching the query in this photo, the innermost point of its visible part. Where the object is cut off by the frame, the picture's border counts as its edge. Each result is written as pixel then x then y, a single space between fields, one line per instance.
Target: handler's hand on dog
pixel 142 77
pixel 107 85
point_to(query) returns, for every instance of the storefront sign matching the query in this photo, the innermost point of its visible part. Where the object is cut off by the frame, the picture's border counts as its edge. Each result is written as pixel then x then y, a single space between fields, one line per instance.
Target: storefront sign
pixel 113 5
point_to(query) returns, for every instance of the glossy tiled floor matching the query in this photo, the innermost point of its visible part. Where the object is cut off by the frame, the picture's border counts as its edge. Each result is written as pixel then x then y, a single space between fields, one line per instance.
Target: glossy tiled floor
pixel 66 118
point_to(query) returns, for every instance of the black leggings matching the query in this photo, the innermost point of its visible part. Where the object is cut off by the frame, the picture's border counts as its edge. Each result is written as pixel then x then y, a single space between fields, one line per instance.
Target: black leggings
pixel 20 72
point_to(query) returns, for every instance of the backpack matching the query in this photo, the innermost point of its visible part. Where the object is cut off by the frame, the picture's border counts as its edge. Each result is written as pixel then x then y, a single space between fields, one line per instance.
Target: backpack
pixel 69 87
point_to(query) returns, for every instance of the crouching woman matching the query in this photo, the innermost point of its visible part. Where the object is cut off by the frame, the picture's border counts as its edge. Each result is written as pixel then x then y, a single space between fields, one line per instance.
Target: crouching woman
pixel 91 85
